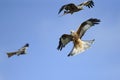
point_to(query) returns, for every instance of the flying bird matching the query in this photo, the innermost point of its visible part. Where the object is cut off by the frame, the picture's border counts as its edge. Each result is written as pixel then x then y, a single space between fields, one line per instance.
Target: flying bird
pixel 75 36
pixel 20 51
pixel 71 7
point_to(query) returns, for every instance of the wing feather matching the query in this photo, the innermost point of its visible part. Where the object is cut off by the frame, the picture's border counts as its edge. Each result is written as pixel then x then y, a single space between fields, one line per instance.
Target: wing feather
pixel 12 52
pixel 64 40
pixel 68 7
pixel 88 3
pixel 72 6
pixel 86 25
pixel 63 7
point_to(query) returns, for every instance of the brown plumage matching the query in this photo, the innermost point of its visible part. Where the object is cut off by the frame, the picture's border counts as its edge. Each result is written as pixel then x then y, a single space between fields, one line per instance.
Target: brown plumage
pixel 71 7
pixel 75 36
pixel 19 52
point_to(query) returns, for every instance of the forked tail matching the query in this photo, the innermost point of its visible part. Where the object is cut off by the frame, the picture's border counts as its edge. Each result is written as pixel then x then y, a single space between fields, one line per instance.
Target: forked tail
pixel 85 45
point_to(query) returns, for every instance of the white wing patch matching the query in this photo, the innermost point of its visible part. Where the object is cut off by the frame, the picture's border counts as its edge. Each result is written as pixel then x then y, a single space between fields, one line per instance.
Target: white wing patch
pixel 86 27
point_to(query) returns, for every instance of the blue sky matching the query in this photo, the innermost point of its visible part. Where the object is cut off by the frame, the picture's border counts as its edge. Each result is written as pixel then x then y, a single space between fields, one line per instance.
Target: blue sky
pixel 36 22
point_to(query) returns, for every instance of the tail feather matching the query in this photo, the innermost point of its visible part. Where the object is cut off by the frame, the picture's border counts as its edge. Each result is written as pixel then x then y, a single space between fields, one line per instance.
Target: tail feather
pixel 85 45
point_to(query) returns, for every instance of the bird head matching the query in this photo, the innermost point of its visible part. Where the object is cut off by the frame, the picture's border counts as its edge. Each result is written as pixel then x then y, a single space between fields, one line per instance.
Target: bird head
pixel 72 32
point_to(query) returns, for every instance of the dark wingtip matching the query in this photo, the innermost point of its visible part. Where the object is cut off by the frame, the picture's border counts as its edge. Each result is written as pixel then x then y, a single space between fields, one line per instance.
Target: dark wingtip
pixel 10 54
pixel 60 45
pixel 91 4
pixel 59 12
pixel 94 20
pixel 93 40
pixel 26 45
pixel 69 55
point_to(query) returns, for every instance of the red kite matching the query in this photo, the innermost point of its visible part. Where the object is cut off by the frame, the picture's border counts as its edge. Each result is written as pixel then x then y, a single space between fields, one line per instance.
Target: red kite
pixel 71 7
pixel 75 36
pixel 20 51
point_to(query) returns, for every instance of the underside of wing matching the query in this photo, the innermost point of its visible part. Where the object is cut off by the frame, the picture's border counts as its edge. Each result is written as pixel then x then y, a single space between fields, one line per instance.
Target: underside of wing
pixel 64 40
pixel 86 25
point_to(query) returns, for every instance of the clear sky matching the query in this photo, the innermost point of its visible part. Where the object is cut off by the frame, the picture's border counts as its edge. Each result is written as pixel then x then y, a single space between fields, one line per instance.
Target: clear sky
pixel 36 22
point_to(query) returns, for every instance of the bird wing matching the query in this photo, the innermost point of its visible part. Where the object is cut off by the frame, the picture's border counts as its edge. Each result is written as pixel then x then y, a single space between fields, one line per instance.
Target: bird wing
pixel 12 52
pixel 19 52
pixel 64 40
pixel 88 3
pixel 24 47
pixel 63 7
pixel 9 54
pixel 86 25
pixel 70 7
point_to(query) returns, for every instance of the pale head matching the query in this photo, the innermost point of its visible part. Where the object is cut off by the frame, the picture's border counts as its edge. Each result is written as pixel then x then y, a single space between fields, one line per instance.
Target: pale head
pixel 72 32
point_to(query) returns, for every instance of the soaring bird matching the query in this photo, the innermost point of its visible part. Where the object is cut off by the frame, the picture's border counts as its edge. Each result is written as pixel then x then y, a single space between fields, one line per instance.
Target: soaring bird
pixel 75 36
pixel 71 7
pixel 20 51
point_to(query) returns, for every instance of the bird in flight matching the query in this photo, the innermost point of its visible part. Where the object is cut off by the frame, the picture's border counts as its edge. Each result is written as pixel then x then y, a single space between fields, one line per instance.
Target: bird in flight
pixel 71 7
pixel 20 51
pixel 75 36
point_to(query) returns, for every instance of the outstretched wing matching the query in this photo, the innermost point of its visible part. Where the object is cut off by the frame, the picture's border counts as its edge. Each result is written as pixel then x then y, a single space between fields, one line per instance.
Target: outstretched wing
pixel 88 3
pixel 24 47
pixel 63 7
pixel 9 54
pixel 70 7
pixel 23 50
pixel 86 25
pixel 64 40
